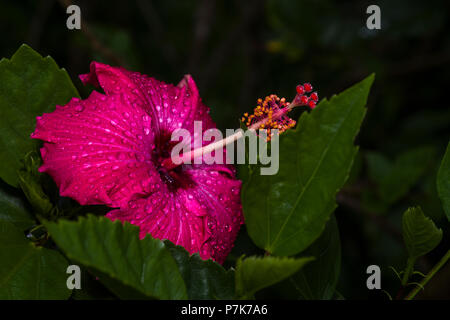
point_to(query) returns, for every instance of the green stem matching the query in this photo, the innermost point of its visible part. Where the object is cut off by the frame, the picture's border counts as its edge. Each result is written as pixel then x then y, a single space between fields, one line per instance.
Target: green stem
pixel 428 277
pixel 409 269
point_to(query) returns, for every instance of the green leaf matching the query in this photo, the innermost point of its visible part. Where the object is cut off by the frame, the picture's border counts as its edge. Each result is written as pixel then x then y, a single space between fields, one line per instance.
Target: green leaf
pixel 286 212
pixel 205 279
pixel 29 86
pixel 256 273
pixel 13 209
pixel 27 271
pixel 419 233
pixel 30 180
pixel 396 178
pixel 443 182
pixel 115 252
pixel 318 279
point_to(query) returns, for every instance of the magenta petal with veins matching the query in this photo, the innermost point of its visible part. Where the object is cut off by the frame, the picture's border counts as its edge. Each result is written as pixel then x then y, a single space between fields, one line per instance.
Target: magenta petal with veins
pixel 108 148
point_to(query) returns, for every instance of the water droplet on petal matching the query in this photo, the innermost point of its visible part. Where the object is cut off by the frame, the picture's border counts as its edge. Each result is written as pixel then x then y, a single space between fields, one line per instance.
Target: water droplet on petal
pixel 132 204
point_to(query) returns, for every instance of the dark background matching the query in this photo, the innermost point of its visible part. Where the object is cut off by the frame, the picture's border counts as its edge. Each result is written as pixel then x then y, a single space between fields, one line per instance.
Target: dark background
pixel 238 51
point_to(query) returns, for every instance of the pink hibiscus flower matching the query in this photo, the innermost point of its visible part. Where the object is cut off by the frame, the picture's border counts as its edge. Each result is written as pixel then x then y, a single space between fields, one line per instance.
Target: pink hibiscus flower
pixel 109 148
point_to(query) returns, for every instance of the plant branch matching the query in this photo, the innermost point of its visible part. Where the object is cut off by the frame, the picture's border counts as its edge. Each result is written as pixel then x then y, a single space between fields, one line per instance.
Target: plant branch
pixel 156 28
pixel 96 44
pixel 37 23
pixel 428 277
pixel 204 18
pixel 408 271
pixel 224 50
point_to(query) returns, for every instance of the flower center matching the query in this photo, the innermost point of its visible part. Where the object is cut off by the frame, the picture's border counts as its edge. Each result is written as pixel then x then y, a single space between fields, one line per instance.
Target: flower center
pixel 175 178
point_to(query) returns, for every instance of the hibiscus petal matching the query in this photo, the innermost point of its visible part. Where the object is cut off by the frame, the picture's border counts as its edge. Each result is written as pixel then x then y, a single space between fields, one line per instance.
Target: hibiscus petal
pixel 98 150
pixel 171 106
pixel 204 218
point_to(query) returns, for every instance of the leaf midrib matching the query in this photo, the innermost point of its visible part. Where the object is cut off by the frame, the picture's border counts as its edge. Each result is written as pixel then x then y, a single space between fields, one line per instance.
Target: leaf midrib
pixel 311 178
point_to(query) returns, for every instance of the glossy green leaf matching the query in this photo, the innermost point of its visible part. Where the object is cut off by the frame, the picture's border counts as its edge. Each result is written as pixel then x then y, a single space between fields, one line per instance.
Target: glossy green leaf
pixel 205 279
pixel 443 182
pixel 14 210
pixel 256 273
pixel 29 86
pixel 27 271
pixel 420 234
pixel 287 211
pixel 115 252
pixel 30 181
pixel 318 279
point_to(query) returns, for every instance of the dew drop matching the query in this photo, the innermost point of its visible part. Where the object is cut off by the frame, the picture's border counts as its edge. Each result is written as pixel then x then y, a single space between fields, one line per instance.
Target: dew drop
pixel 132 204
pixel 132 175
